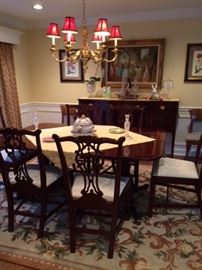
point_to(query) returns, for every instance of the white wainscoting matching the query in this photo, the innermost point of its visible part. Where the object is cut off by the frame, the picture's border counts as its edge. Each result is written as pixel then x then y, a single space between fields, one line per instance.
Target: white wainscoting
pixel 50 112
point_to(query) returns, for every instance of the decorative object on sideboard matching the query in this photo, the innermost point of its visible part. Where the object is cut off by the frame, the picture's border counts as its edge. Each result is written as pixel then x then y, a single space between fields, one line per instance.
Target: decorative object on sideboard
pixel 168 84
pixel 128 89
pixel 154 94
pixel 91 85
pixel 84 54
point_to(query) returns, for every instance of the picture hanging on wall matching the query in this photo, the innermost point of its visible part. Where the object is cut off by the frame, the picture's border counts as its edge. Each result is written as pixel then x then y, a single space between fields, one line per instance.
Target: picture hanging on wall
pixel 193 67
pixel 70 72
pixel 140 61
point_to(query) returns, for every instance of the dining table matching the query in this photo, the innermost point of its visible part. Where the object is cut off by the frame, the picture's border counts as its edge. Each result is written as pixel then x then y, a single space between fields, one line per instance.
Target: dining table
pixel 138 146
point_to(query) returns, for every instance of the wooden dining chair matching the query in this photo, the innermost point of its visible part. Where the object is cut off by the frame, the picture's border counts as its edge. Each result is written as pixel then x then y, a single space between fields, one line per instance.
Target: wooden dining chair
pixel 70 112
pixel 177 174
pixel 94 193
pixel 194 131
pixel 26 182
pixel 136 118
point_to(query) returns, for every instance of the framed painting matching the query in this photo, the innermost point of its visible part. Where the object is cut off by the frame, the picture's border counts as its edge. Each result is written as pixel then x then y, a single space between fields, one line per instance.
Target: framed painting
pixel 70 72
pixel 193 66
pixel 140 61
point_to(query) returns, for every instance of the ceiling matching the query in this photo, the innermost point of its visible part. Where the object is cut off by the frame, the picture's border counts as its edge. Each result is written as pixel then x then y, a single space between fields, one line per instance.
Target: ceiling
pixel 19 13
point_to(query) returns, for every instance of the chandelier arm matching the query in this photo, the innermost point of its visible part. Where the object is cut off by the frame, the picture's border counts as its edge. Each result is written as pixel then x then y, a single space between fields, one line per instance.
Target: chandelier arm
pixel 96 56
pixel 84 54
pixel 113 59
pixel 57 59
pixel 110 60
pixel 73 56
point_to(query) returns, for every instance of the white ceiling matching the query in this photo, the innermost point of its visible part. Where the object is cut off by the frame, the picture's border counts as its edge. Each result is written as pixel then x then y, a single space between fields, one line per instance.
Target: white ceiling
pixel 19 13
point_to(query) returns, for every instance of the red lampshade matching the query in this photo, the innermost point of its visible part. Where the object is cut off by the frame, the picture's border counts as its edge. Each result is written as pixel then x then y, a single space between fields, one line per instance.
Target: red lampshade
pixel 53 31
pixel 115 32
pixel 69 26
pixel 72 38
pixel 97 38
pixel 102 27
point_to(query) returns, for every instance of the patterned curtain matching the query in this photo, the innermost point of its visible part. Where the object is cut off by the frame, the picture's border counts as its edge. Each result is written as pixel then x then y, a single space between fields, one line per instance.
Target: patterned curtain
pixel 8 88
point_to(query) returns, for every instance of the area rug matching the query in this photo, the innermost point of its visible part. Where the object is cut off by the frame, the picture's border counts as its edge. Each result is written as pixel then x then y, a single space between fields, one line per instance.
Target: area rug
pixel 167 241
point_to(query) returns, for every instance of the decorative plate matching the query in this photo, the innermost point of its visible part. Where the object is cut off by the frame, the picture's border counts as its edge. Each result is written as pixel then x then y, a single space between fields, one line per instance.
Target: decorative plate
pixel 116 130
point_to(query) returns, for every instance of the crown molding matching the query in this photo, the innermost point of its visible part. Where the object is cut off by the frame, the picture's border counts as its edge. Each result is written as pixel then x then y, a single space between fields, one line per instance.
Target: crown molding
pixel 168 14
pixel 8 35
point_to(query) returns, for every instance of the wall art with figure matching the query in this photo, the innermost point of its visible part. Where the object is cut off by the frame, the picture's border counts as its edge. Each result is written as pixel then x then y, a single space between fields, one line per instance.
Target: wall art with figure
pixel 137 61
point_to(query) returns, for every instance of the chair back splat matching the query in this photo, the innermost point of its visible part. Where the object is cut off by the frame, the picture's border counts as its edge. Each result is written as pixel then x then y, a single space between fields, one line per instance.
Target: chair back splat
pixel 93 192
pixel 26 180
pixel 136 116
pixel 70 112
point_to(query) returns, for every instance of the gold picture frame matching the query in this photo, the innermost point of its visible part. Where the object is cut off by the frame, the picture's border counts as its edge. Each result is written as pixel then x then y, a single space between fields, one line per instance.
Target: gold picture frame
pixel 141 60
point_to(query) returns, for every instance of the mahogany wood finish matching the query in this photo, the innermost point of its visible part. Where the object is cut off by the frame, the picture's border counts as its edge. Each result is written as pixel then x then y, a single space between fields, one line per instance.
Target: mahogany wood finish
pixel 152 150
pixel 193 137
pixel 157 114
pixel 70 112
pixel 134 153
pixel 88 194
pixel 31 182
pixel 136 114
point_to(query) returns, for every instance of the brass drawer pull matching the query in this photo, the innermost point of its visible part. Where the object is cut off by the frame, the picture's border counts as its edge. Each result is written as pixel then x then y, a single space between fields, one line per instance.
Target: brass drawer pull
pixel 162 107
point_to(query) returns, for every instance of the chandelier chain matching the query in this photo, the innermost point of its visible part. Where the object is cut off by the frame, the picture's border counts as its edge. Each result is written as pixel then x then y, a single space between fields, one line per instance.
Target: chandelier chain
pixel 84 20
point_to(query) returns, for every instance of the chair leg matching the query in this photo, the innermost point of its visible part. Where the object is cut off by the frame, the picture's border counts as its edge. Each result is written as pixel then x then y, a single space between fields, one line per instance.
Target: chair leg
pixel 151 199
pixel 72 233
pixel 188 146
pixel 198 192
pixel 112 238
pixel 42 217
pixel 10 214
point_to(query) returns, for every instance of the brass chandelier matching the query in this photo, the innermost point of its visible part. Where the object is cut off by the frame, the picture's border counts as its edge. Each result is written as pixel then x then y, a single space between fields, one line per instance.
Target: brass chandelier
pixel 84 54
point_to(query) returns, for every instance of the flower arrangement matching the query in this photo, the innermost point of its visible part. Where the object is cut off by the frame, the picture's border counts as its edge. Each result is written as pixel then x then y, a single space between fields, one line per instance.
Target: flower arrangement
pixel 92 80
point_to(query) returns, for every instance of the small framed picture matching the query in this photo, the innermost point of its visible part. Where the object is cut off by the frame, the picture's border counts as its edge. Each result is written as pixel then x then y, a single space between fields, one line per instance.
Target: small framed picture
pixel 193 68
pixel 70 72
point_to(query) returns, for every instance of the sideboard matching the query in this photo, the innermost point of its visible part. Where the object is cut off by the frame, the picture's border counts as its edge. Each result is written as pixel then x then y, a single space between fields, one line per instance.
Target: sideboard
pixel 157 114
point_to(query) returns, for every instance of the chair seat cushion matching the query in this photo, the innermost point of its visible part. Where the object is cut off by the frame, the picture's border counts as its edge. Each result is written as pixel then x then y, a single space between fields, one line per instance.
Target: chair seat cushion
pixel 193 136
pixel 106 185
pixel 52 174
pixel 177 168
pixel 18 154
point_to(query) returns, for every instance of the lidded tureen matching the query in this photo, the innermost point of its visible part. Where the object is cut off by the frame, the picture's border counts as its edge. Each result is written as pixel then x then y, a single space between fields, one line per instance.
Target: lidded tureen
pixel 83 126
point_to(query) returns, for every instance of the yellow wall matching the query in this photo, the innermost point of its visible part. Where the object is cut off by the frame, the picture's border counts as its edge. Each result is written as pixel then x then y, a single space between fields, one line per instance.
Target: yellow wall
pixel 38 78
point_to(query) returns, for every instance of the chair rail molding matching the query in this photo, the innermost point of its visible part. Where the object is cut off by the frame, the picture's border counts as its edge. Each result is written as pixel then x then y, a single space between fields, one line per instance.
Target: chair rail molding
pixel 8 35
